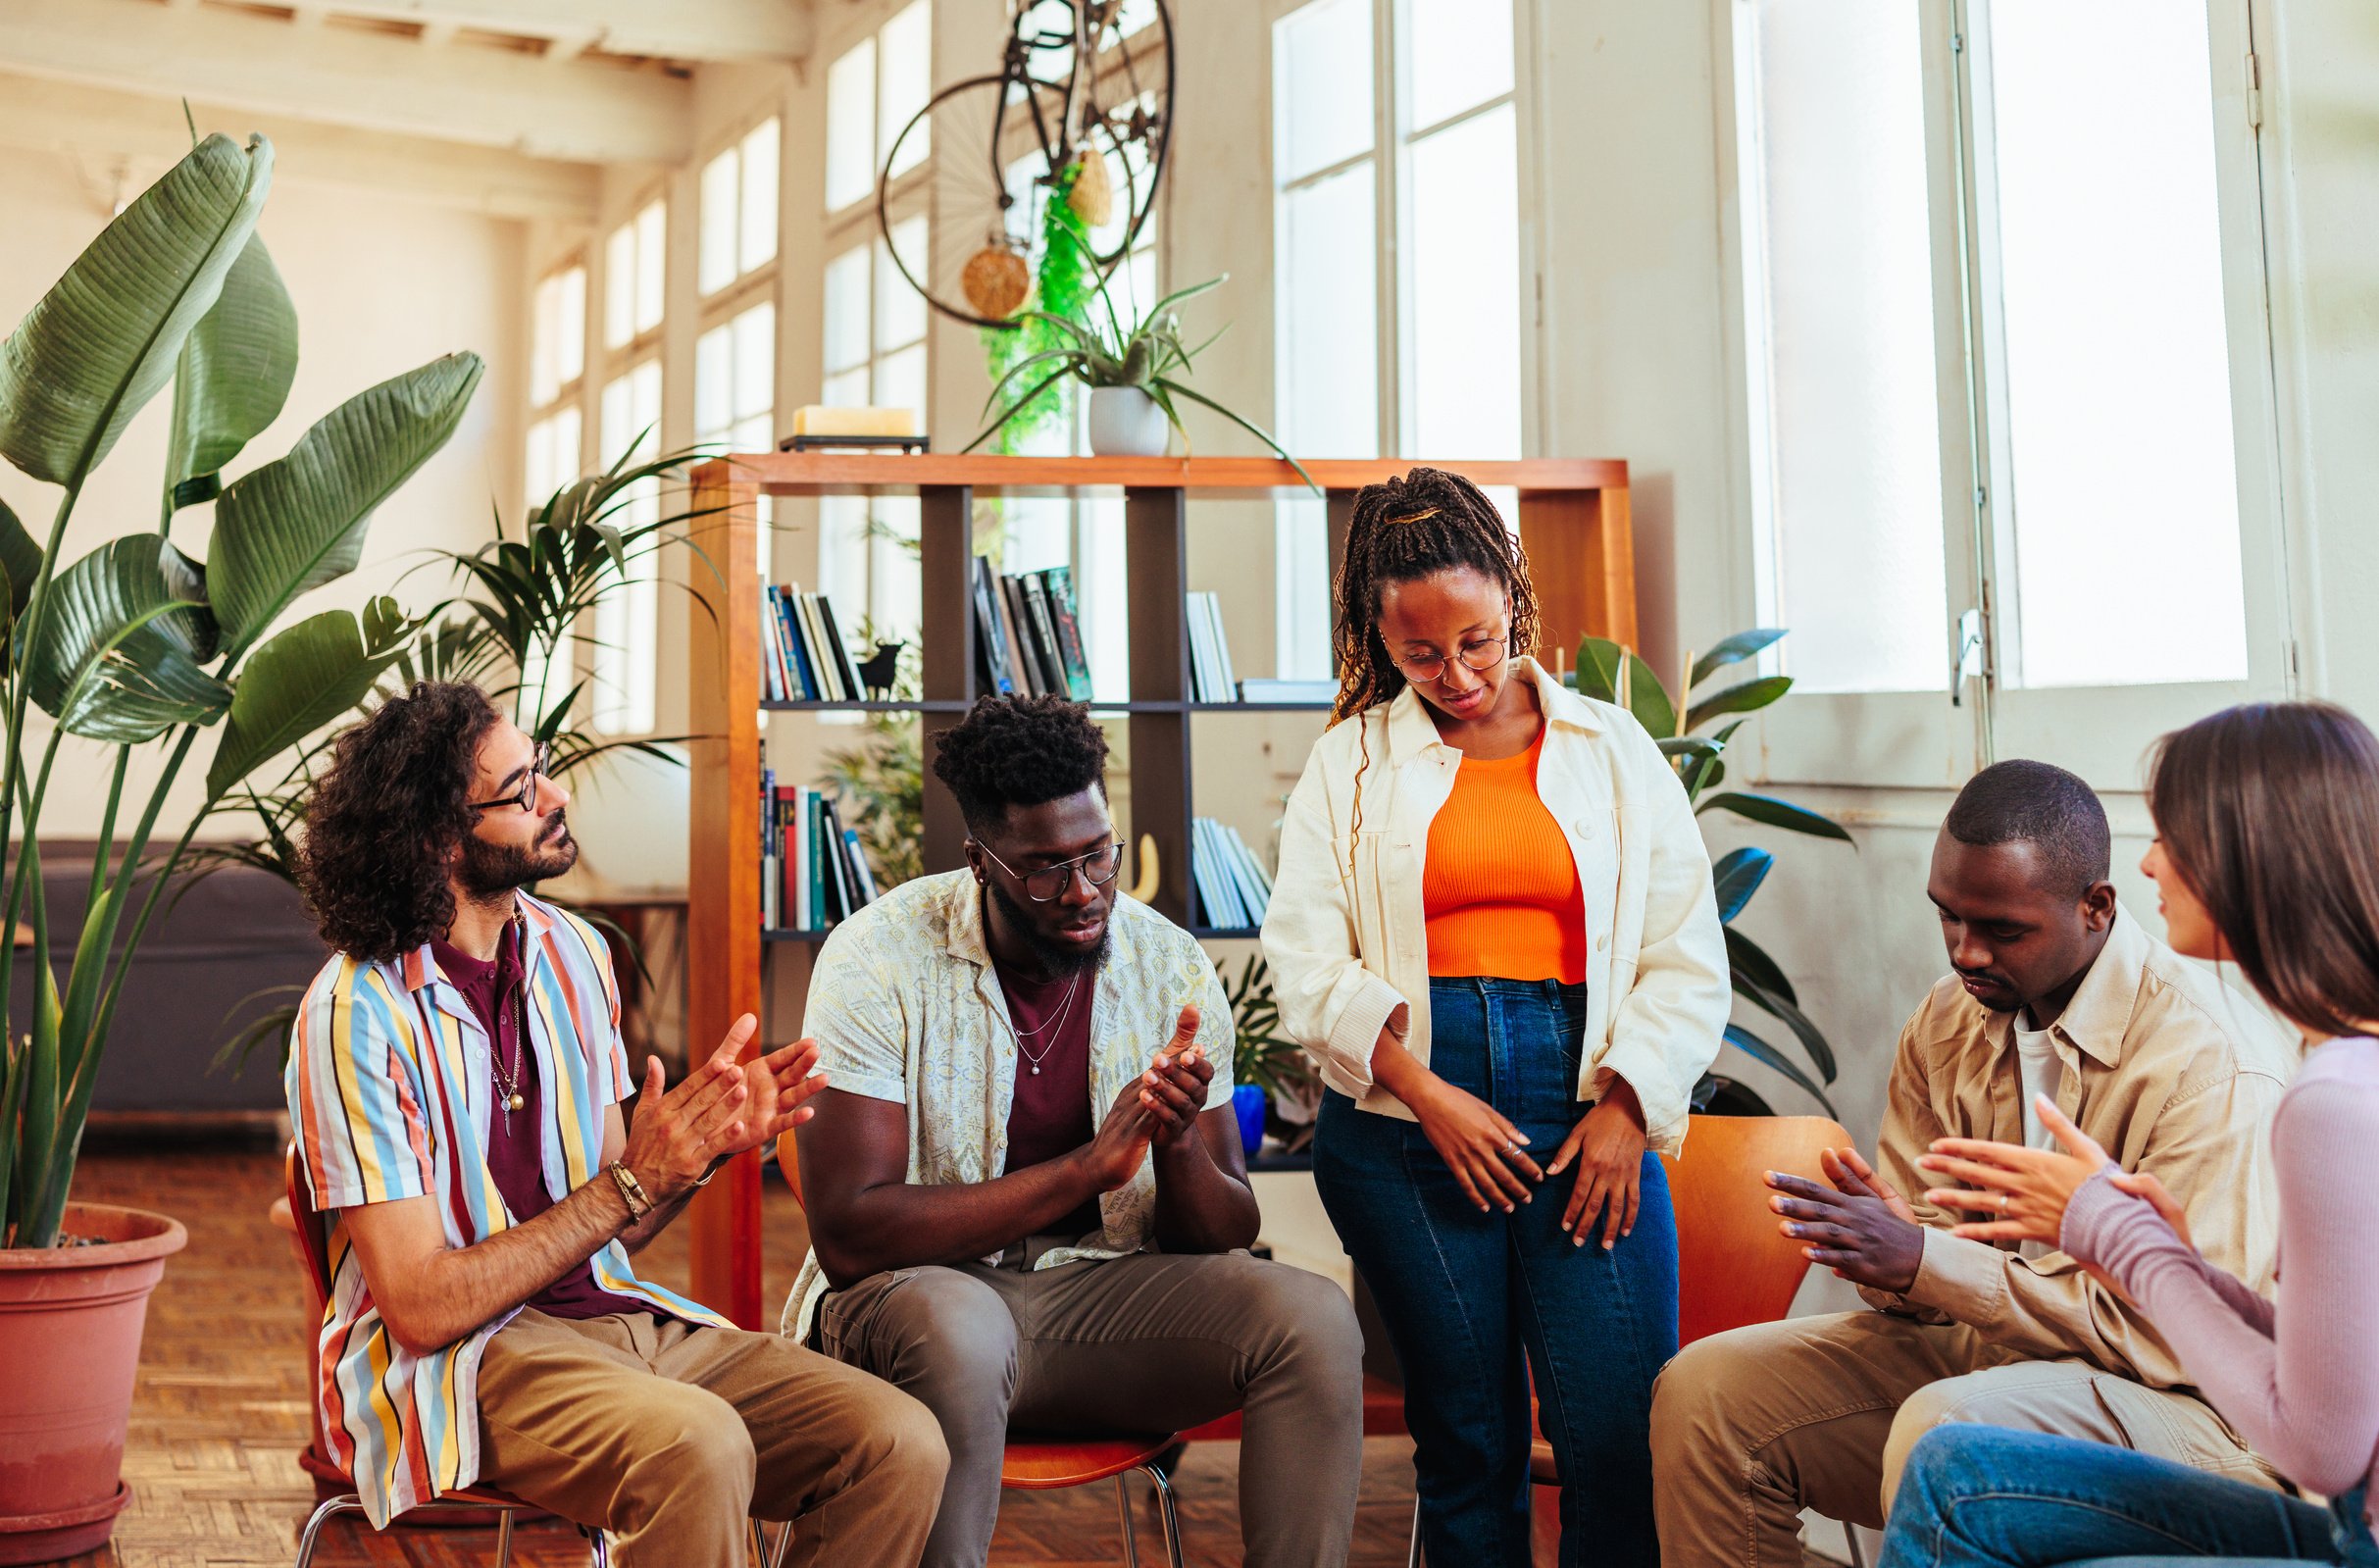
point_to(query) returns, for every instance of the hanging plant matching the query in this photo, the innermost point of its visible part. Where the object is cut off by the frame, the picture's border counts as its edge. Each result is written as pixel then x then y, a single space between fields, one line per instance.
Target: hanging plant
pixel 1064 285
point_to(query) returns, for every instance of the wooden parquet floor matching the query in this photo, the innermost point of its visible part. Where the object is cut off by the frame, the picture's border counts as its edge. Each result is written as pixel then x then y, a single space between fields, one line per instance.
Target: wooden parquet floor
pixel 222 1410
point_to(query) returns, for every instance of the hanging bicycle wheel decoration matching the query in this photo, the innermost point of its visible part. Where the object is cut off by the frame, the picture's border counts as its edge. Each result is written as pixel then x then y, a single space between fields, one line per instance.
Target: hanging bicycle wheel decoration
pixel 1080 109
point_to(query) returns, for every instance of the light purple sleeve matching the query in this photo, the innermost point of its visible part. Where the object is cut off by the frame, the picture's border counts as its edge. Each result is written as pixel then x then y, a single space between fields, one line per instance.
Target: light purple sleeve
pixel 2299 1381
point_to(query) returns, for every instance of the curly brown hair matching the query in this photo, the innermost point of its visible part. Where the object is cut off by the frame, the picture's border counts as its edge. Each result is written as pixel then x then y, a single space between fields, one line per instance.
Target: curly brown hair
pixel 386 814
pixel 1019 751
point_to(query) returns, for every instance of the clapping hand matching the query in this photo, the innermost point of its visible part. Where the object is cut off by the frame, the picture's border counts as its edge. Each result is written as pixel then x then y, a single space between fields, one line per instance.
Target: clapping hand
pixel 1860 1227
pixel 1173 1091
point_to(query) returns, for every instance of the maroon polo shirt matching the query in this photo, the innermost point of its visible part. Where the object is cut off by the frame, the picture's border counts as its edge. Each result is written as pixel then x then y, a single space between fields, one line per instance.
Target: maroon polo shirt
pixel 493 989
pixel 1051 1116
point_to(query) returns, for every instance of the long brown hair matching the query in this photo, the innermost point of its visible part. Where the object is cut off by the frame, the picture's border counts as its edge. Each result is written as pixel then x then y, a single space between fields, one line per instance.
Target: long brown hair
pixel 1404 529
pixel 2271 812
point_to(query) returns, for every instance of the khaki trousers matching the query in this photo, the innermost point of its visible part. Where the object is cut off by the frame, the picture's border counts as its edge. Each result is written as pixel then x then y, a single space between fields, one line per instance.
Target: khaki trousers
pixel 1150 1342
pixel 1752 1426
pixel 669 1436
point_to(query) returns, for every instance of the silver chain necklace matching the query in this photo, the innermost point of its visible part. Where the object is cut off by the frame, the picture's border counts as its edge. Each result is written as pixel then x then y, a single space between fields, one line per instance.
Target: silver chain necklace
pixel 1048 1027
pixel 510 1088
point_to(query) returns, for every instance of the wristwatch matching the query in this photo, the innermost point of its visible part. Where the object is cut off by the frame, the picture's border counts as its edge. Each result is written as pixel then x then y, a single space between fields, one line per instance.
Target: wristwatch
pixel 632 1191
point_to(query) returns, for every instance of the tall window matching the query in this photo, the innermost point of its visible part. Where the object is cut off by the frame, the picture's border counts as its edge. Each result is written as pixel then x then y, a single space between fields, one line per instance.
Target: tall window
pixel 2010 412
pixel 735 274
pixel 635 268
pixel 736 390
pixel 627 620
pixel 1399 185
pixel 875 338
pixel 739 209
pixel 557 369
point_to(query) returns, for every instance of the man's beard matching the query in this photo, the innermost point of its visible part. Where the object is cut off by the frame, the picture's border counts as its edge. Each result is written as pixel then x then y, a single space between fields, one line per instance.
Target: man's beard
pixel 489 871
pixel 1055 957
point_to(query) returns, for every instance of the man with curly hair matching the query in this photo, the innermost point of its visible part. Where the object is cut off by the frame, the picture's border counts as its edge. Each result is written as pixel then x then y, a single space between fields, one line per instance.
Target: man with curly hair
pixel 1027 1197
pixel 455 1080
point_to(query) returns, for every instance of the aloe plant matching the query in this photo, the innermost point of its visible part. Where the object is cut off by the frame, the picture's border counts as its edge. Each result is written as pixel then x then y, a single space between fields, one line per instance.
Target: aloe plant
pixel 142 646
pixel 1698 752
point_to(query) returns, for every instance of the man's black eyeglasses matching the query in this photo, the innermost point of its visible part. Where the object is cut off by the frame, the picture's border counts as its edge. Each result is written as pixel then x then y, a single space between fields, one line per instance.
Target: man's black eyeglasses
pixel 525 797
pixel 1049 883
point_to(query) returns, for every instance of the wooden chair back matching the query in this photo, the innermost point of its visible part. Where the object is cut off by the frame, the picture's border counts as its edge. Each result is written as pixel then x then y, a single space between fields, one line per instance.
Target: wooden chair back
pixel 788 1163
pixel 1733 1266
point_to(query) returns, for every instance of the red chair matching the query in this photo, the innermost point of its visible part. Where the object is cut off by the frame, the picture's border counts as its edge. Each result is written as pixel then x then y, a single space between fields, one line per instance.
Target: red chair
pixel 1051 1464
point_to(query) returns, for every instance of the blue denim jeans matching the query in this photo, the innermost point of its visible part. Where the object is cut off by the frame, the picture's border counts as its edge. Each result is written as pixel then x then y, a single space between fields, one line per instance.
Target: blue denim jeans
pixel 1975 1496
pixel 1475 1301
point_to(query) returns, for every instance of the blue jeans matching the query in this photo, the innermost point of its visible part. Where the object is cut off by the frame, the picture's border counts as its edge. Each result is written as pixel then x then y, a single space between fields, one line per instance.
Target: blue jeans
pixel 1976 1497
pixel 1475 1301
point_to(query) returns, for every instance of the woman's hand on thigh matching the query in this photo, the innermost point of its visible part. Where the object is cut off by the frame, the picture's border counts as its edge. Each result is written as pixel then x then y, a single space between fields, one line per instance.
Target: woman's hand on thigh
pixel 1482 1149
pixel 1607 1146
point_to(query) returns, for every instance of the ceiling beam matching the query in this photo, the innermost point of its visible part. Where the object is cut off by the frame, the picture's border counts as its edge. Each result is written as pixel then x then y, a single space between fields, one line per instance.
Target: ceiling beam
pixel 682 29
pixel 101 131
pixel 580 111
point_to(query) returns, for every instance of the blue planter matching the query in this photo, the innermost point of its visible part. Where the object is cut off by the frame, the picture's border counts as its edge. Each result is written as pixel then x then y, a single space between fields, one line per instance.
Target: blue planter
pixel 1249 1101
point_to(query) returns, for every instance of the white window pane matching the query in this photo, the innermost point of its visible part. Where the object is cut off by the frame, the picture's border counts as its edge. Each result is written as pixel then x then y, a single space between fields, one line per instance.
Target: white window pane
pixel 713 383
pixel 850 125
pixel 1039 532
pixel 1329 327
pixel 542 332
pixel 619 286
pixel 570 326
pixel 618 426
pixel 1322 111
pixel 754 432
pixel 846 312
pixel 907 42
pixel 536 461
pixel 897 583
pixel 900 311
pixel 1843 400
pixel 2123 505
pixel 901 382
pixel 646 379
pixel 716 266
pixel 755 360
pixel 1101 597
pixel 652 265
pixel 756 239
pixel 1300 544
pixel 1459 53
pixel 843 553
pixel 1464 230
pixel 849 389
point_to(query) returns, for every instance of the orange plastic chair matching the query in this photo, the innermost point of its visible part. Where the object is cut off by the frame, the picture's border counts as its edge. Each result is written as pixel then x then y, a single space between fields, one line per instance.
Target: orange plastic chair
pixel 1054 1464
pixel 312 1239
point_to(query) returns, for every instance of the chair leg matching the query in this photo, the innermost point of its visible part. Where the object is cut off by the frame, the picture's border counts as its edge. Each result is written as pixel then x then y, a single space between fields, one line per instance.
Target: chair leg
pixel 1412 1559
pixel 1165 1512
pixel 1123 1512
pixel 784 1546
pixel 330 1507
pixel 503 1539
pixel 1859 1554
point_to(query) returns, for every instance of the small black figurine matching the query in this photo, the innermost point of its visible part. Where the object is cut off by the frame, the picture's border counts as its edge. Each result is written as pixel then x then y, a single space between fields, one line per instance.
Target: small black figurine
pixel 875 673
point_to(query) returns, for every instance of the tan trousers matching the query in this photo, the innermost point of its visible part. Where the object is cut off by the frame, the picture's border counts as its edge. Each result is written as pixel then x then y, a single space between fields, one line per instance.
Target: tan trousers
pixel 1752 1426
pixel 671 1436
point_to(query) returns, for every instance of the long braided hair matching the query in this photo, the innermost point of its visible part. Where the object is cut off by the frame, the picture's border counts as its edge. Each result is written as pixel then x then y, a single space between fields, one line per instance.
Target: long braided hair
pixel 1403 529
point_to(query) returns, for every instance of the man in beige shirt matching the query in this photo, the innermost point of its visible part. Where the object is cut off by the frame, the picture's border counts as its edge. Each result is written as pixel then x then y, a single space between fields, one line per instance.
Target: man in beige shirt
pixel 2172 1073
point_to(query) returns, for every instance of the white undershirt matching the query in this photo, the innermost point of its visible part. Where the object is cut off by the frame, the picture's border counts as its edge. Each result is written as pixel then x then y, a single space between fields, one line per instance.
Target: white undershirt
pixel 2041 1074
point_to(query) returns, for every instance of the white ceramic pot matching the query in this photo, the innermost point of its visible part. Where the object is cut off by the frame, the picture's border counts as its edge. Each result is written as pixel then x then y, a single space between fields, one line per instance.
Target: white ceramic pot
pixel 1126 422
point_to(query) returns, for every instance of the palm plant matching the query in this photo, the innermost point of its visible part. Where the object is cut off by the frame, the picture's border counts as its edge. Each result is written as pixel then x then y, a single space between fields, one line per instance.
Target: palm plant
pixel 1610 673
pixel 139 645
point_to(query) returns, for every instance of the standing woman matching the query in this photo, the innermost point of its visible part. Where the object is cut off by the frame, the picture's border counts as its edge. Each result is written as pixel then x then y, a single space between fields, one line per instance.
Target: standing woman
pixel 2267 856
pixel 1493 927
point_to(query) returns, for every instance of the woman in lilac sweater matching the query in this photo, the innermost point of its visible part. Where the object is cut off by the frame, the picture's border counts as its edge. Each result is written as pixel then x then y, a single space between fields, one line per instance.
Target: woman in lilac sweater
pixel 2268 857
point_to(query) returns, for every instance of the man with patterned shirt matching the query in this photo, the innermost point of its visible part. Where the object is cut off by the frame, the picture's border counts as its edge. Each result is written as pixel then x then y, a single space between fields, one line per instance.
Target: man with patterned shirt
pixel 1028 1201
pixel 455 1080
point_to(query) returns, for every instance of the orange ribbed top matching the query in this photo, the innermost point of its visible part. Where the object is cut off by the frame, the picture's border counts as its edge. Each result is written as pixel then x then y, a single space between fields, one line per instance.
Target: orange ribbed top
pixel 1500 885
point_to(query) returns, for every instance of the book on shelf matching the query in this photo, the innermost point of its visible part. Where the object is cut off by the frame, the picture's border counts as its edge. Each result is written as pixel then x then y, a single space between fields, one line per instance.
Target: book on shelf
pixel 813 873
pixel 1028 634
pixel 802 655
pixel 1210 679
pixel 1288 690
pixel 1232 886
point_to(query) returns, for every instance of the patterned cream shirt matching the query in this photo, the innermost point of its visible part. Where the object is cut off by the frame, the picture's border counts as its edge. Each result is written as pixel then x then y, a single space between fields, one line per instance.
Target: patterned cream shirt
pixel 906 1006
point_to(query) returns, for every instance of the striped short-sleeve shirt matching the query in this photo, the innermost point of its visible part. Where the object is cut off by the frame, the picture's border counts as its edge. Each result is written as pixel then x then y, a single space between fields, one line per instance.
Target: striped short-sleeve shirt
pixel 391 1091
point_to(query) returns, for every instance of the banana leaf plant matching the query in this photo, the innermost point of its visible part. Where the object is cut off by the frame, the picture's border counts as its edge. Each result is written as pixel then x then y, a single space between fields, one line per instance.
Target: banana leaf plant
pixel 140 645
pixel 1692 735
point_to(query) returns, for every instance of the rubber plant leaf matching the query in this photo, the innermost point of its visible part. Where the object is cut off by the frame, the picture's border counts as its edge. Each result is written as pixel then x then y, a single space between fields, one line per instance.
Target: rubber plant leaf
pixel 1774 813
pixel 1746 697
pixel 1737 877
pixel 103 341
pixel 234 376
pixel 299 523
pixel 304 677
pixel 1735 649
pixel 122 644
pixel 1760 1050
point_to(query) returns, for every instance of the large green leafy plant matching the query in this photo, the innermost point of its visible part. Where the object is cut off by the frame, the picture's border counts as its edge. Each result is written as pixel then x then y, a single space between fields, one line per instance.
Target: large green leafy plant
pixel 1694 735
pixel 140 645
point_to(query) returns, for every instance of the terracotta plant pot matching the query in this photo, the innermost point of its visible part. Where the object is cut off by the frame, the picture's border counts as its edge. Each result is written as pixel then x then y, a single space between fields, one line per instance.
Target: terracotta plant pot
pixel 69 1341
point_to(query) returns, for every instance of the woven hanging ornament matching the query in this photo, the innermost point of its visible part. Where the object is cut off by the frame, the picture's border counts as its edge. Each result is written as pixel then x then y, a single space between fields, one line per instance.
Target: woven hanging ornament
pixel 995 282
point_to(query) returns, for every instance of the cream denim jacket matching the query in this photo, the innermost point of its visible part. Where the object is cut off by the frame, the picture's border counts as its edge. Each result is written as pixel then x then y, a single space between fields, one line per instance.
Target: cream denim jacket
pixel 1347 937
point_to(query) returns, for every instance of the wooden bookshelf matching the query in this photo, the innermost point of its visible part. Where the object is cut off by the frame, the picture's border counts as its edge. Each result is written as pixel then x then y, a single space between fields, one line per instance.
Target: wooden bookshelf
pixel 1573 516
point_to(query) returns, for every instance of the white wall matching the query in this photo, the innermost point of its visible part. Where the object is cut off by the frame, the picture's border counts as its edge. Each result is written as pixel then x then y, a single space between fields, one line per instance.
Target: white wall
pixel 381 286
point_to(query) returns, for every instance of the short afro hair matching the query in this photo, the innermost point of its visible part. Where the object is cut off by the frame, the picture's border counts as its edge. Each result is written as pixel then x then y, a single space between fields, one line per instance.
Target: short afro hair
pixel 2032 802
pixel 1019 751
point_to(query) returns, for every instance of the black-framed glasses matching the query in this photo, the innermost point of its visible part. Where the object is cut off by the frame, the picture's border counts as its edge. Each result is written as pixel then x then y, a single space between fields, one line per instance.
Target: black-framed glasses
pixel 1049 883
pixel 525 797
pixel 1480 656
